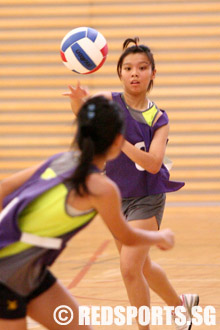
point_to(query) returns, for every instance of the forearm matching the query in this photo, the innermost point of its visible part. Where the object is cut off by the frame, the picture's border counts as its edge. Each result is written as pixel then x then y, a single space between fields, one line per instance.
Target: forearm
pixel 76 104
pixel 163 239
pixel 145 159
pixel 146 237
pixel 78 96
pixel 135 236
pixel 12 183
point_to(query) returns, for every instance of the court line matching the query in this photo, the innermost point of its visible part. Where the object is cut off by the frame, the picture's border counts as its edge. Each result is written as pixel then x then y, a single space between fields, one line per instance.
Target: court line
pixel 89 264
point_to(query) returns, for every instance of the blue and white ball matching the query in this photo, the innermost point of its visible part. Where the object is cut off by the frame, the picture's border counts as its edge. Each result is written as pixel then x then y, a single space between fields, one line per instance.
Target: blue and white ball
pixel 83 50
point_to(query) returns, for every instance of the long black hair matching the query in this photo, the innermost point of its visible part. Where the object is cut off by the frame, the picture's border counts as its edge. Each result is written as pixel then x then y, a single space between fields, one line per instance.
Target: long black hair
pixel 136 48
pixel 98 123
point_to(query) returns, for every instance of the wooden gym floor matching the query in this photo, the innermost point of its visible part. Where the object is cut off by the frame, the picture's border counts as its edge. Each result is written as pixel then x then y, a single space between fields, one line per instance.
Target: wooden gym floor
pixel 89 266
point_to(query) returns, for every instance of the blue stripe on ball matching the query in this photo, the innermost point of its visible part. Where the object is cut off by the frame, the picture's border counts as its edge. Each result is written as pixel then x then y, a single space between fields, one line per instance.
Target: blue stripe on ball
pixel 82 57
pixel 73 38
pixel 92 34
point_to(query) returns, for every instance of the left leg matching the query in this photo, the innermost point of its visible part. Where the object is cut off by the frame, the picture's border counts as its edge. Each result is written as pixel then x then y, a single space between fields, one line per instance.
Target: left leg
pixel 159 283
pixel 153 273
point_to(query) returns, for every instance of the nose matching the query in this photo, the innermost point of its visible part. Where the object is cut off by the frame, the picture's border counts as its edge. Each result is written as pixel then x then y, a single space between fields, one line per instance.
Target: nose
pixel 134 72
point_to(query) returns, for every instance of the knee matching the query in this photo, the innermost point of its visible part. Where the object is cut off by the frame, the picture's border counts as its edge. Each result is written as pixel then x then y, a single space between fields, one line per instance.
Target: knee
pixel 130 271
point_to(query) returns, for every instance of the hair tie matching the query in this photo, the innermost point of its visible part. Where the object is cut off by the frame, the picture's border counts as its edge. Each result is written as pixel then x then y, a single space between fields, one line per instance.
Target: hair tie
pixel 91 111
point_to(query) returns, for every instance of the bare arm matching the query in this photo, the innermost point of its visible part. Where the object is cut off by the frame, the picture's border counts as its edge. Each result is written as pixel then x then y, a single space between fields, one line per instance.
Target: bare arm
pixel 12 183
pixel 78 95
pixel 108 204
pixel 1 198
pixel 151 161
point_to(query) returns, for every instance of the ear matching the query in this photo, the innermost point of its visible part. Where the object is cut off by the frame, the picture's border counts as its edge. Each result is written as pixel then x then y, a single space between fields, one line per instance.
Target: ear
pixel 153 74
pixel 119 140
pixel 115 149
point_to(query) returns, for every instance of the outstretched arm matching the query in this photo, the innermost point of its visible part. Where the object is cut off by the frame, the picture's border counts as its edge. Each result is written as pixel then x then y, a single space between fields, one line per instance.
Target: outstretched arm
pixel 78 95
pixel 12 183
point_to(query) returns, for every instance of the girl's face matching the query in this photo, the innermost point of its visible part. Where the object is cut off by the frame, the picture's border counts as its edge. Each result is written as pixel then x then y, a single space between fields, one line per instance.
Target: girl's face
pixel 136 73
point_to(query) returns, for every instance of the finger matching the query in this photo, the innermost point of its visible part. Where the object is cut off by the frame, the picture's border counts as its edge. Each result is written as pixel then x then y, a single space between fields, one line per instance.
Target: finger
pixel 71 88
pixel 162 248
pixel 66 94
pixel 86 90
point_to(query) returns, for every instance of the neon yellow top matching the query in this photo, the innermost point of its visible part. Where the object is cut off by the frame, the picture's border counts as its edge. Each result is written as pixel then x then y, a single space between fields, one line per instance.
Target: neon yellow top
pixel 149 114
pixel 46 216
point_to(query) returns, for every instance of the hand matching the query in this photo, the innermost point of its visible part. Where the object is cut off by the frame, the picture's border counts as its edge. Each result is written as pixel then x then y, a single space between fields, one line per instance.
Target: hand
pixel 78 96
pixel 166 239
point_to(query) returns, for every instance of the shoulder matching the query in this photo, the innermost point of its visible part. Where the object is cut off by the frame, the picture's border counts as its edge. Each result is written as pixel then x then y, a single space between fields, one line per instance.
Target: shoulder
pixel 104 194
pixel 100 185
pixel 161 119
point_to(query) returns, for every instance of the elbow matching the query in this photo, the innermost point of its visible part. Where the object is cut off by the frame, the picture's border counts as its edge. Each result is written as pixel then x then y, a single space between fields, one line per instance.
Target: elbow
pixel 155 165
pixel 155 170
pixel 151 168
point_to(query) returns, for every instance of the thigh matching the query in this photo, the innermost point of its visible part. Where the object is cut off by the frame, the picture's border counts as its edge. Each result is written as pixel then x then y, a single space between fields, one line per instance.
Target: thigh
pixel 42 308
pixel 18 324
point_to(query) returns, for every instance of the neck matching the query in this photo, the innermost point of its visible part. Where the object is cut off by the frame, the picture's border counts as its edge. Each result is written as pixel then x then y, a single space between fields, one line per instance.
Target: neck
pixel 99 162
pixel 138 102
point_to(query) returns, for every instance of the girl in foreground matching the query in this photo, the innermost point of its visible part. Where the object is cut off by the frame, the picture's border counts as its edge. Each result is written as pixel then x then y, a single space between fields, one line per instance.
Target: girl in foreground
pixel 44 206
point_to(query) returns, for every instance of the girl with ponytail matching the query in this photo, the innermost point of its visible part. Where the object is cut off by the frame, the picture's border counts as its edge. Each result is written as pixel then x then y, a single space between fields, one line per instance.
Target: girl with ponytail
pixel 140 174
pixel 45 206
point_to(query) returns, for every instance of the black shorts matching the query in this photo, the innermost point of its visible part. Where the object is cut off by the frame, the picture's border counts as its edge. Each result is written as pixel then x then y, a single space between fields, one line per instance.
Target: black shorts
pixel 14 306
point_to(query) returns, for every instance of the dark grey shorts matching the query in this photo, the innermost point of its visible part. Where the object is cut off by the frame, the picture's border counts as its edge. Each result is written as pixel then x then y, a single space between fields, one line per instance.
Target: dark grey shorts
pixel 137 208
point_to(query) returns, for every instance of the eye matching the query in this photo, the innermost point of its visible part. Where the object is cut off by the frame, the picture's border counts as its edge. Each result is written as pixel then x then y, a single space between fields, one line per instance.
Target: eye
pixel 143 67
pixel 127 68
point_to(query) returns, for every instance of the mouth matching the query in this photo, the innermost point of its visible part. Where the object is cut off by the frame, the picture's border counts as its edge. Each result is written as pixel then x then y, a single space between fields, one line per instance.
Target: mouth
pixel 135 82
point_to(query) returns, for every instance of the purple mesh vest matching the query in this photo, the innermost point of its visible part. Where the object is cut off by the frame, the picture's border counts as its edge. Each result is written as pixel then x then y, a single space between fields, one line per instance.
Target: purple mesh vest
pixel 132 180
pixel 16 202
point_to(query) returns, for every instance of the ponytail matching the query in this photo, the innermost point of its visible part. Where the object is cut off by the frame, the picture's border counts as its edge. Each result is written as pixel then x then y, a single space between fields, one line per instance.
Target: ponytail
pixel 83 167
pixel 129 40
pixel 99 121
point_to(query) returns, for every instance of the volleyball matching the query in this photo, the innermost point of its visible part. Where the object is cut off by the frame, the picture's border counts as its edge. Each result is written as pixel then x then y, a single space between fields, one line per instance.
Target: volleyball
pixel 83 50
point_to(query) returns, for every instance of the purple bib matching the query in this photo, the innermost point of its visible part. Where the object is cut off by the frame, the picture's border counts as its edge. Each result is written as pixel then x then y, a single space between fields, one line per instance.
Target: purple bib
pixel 16 202
pixel 132 180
